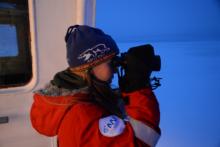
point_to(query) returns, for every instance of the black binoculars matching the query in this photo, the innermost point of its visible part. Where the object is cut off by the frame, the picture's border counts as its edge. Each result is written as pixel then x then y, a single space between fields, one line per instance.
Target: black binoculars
pixel 144 54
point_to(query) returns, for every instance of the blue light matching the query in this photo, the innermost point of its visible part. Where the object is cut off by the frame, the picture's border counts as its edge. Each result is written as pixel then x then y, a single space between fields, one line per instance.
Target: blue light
pixel 8 41
pixel 186 34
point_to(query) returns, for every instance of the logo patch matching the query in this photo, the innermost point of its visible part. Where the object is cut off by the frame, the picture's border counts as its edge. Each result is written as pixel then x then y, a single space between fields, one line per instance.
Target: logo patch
pixel 93 53
pixel 111 126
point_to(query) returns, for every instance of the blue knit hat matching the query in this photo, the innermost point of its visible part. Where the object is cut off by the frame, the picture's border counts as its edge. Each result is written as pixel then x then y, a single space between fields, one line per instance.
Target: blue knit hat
pixel 88 46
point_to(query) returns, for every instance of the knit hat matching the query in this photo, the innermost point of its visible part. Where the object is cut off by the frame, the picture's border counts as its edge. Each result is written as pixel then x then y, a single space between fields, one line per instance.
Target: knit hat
pixel 88 46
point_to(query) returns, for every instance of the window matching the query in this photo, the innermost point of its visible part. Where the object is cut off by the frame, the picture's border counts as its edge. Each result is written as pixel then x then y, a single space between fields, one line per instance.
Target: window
pixel 15 50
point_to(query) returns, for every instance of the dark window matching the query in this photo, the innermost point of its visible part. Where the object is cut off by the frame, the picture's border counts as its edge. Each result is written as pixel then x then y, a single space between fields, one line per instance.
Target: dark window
pixel 15 51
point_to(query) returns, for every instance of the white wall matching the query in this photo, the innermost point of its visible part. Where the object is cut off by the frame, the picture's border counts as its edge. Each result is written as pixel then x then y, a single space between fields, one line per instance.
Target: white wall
pixel 51 19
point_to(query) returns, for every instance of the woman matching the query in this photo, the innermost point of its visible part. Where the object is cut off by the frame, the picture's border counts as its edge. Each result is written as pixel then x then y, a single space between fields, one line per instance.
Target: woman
pixel 80 107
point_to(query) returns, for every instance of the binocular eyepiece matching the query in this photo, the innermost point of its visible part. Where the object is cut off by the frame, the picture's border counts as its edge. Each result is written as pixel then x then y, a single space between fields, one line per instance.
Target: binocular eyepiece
pixel 143 55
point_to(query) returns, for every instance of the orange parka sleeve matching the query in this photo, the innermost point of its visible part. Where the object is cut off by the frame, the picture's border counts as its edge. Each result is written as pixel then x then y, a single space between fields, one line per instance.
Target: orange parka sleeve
pixel 143 105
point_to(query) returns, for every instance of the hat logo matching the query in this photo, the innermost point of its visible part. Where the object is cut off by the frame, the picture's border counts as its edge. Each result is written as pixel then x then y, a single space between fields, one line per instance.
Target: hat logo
pixel 93 53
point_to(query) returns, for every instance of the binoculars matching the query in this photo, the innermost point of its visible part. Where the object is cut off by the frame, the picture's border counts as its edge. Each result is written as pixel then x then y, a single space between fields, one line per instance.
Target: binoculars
pixel 144 54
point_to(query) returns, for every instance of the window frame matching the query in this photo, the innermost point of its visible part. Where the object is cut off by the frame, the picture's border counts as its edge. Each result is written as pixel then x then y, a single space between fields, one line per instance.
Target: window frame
pixel 31 36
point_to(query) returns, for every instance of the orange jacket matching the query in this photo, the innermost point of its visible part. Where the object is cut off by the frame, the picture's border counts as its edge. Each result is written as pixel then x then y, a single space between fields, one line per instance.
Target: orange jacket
pixel 77 125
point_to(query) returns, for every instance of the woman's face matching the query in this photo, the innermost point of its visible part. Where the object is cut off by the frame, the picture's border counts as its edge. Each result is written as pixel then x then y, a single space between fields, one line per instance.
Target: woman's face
pixel 103 71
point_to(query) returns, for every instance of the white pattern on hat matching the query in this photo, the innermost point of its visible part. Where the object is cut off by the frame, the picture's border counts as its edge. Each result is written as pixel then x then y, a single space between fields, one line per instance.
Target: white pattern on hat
pixel 92 53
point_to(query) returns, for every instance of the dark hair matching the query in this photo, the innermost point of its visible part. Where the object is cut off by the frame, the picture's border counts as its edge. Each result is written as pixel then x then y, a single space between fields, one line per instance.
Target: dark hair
pixel 102 93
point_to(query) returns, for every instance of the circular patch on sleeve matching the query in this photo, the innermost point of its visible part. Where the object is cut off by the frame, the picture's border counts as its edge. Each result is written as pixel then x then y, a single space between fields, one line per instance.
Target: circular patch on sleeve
pixel 111 126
